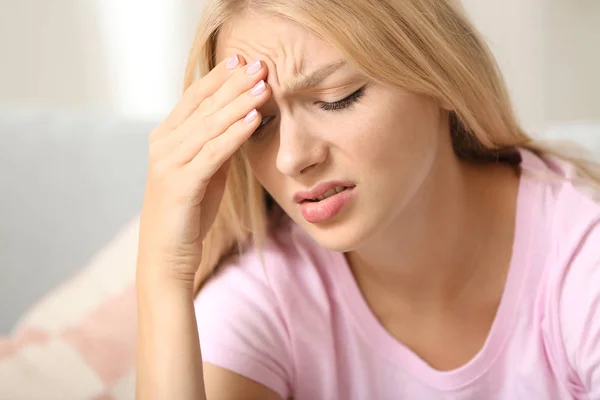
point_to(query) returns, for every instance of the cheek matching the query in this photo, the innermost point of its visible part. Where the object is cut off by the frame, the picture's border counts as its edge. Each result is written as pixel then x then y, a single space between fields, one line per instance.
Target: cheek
pixel 394 141
pixel 409 127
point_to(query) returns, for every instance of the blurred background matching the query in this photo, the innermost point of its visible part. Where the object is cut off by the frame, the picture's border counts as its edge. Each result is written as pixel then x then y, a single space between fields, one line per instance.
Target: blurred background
pixel 82 83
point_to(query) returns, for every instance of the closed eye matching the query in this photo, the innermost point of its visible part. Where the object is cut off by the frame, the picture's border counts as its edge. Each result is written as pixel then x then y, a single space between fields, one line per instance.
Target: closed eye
pixel 333 106
pixel 345 102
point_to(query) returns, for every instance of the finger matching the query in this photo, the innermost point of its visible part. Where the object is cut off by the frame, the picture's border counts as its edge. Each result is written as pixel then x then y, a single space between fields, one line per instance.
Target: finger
pixel 198 133
pixel 220 149
pixel 241 81
pixel 200 90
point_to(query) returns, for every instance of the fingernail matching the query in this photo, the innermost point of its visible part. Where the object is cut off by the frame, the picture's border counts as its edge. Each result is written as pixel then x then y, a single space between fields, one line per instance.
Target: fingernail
pixel 251 116
pixel 258 88
pixel 253 68
pixel 232 62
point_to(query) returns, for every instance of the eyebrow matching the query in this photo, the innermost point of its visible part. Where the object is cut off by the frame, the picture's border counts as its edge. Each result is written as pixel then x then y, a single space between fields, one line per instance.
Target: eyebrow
pixel 316 77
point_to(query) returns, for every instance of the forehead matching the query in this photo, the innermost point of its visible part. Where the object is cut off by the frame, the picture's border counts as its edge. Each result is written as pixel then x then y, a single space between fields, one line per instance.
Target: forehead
pixel 285 46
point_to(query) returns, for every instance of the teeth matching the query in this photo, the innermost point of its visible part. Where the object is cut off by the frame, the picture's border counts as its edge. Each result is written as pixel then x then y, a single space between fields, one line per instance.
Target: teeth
pixel 330 193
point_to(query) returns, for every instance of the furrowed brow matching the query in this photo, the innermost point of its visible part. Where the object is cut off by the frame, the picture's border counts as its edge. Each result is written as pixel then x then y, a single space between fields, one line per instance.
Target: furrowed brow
pixel 316 77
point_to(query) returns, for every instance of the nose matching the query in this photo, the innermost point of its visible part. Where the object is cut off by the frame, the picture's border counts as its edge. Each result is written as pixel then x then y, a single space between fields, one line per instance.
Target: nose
pixel 299 149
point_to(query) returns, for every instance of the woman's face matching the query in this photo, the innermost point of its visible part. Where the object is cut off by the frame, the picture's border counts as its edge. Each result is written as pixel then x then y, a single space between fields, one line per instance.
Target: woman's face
pixel 375 140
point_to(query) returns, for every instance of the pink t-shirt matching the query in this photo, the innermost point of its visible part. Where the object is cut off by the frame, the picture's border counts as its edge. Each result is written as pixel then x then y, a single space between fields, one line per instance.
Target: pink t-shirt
pixel 300 326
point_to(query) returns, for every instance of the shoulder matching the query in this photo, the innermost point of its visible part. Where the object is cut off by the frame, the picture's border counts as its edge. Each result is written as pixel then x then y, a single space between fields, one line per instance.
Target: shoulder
pixel 574 309
pixel 568 237
pixel 566 225
pixel 566 208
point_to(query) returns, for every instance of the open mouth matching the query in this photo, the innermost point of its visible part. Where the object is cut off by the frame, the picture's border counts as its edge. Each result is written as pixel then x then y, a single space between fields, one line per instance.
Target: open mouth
pixel 329 193
pixel 328 204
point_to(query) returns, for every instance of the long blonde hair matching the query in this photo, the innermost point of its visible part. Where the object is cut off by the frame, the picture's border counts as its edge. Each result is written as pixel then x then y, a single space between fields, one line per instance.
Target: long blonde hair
pixel 425 46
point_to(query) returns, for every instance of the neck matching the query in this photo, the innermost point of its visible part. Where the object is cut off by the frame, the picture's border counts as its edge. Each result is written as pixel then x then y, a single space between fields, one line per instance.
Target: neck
pixel 443 241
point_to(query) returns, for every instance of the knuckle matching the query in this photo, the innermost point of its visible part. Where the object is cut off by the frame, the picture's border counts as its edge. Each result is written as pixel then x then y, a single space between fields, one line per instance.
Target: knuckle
pixel 210 152
pixel 209 122
pixel 197 91
pixel 153 154
pixel 193 100
pixel 154 134
pixel 207 104
pixel 156 144
pixel 159 170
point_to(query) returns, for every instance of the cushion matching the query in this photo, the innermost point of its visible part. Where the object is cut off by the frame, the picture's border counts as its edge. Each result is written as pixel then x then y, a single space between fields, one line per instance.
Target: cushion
pixel 78 342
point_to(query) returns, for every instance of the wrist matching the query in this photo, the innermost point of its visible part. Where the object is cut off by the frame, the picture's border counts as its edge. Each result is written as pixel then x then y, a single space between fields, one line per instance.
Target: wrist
pixel 163 280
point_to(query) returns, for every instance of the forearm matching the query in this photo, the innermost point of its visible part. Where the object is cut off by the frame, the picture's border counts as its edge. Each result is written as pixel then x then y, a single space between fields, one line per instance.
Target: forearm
pixel 169 363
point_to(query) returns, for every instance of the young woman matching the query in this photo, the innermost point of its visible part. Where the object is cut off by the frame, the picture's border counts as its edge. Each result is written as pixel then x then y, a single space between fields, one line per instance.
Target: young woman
pixel 343 206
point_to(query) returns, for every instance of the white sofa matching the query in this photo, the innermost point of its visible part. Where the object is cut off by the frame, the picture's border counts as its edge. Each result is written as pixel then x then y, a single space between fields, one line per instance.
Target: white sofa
pixel 69 182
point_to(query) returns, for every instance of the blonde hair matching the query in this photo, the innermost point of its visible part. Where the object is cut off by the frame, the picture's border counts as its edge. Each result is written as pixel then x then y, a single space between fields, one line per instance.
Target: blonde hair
pixel 425 46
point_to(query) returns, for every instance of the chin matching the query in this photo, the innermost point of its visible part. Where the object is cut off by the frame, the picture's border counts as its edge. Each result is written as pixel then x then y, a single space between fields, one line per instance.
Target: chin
pixel 343 234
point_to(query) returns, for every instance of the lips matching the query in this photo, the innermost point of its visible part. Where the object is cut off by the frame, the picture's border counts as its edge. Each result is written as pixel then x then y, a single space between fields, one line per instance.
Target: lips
pixel 322 191
pixel 325 201
pixel 324 210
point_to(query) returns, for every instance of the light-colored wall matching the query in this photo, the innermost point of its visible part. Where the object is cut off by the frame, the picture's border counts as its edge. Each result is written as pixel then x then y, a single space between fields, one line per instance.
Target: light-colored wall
pixel 515 29
pixel 126 56
pixel 51 52
pixel 129 55
pixel 549 51
pixel 572 58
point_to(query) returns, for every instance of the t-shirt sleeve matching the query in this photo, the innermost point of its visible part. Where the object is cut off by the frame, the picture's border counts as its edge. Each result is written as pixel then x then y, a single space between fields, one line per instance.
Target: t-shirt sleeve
pixel 580 316
pixel 241 327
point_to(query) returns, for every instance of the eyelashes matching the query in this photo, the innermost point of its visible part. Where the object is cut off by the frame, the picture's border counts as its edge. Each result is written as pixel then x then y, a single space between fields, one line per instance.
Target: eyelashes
pixel 339 105
pixel 345 102
pixel 259 132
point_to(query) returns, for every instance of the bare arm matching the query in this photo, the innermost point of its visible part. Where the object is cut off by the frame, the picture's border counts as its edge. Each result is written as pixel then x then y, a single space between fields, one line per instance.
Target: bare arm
pixel 169 362
pixel 167 327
